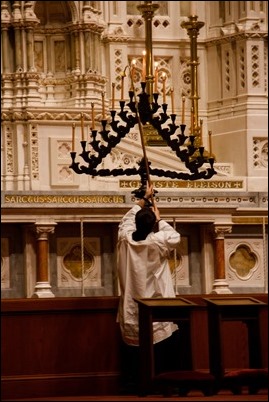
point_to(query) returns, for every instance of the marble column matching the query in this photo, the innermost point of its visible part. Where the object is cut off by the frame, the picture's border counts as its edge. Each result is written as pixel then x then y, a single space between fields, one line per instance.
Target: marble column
pixel 17 24
pixel 30 47
pixel 77 53
pixel 220 285
pixel 43 287
pixel 5 55
pixel 18 48
pixel 7 77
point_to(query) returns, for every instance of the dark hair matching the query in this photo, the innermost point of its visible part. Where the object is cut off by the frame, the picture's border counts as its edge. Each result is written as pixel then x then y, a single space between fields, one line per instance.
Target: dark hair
pixel 145 220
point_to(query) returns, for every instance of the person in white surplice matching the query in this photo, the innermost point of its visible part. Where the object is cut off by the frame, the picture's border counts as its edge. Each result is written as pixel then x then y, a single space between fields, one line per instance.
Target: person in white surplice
pixel 145 242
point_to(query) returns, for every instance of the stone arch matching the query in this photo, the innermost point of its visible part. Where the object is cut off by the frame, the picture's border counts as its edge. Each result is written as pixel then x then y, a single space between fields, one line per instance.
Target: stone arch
pixel 72 6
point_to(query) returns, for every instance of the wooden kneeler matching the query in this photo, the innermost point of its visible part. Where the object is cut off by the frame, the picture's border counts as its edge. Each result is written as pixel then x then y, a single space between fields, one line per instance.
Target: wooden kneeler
pixel 254 379
pixel 185 381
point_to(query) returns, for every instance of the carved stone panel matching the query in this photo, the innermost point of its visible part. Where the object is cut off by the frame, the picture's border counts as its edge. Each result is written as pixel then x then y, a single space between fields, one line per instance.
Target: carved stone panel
pixel 179 264
pixel 244 262
pixel 70 261
pixel 5 267
pixel 60 173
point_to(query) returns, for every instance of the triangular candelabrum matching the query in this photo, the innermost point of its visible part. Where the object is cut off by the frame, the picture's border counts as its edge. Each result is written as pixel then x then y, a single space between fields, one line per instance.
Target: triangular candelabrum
pixel 185 147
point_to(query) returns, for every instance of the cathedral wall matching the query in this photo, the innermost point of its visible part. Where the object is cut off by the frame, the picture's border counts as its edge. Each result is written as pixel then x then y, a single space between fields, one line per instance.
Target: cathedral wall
pixel 192 264
pixel 58 65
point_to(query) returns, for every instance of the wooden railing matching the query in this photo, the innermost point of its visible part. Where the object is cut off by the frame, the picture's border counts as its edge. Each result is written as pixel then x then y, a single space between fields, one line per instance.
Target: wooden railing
pixel 73 346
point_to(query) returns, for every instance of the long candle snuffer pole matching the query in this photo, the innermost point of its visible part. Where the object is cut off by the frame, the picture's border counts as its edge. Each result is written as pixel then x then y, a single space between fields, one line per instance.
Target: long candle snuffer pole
pixel 141 133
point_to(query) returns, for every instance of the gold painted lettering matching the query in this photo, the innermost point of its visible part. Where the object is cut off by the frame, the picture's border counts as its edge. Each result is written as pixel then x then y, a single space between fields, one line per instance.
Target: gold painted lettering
pixel 216 184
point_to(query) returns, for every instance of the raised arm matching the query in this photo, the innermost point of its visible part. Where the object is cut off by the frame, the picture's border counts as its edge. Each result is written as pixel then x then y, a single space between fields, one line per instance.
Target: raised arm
pixel 127 224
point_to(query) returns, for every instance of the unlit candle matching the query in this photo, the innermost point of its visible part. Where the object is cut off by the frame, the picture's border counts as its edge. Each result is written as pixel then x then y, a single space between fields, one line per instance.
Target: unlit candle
pixel 113 96
pixel 122 87
pixel 156 78
pixel 93 116
pixel 183 110
pixel 82 126
pixel 164 89
pixel 73 136
pixel 103 106
pixel 172 100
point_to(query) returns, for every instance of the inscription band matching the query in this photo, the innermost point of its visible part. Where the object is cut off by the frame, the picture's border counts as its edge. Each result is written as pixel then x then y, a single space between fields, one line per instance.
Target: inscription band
pixel 64 199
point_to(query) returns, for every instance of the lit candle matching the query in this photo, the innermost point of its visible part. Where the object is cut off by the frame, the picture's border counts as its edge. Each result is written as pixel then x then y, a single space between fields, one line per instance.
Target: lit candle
pixel 156 78
pixel 73 136
pixel 122 87
pixel 210 142
pixel 144 66
pixel 113 96
pixel 164 89
pixel 183 110
pixel 172 100
pixel 93 117
pixel 82 126
pixel 103 106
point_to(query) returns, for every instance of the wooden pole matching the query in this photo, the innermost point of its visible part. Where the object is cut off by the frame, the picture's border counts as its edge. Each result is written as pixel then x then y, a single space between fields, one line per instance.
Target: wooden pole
pixel 142 140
